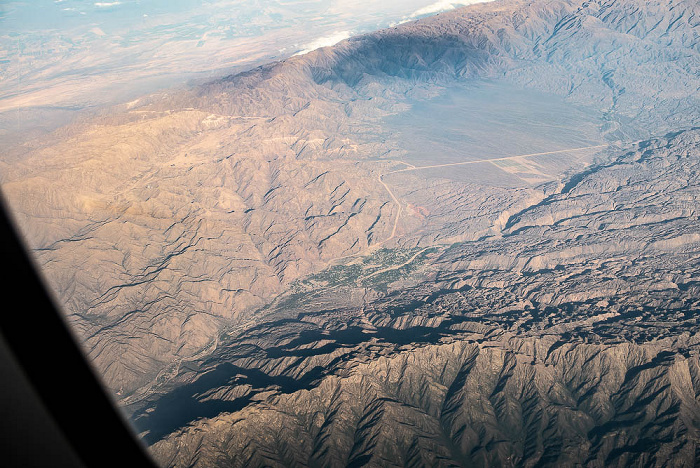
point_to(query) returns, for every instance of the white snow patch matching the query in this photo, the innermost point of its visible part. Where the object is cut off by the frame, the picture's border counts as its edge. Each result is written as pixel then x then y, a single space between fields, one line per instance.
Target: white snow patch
pixel 443 5
pixel 324 42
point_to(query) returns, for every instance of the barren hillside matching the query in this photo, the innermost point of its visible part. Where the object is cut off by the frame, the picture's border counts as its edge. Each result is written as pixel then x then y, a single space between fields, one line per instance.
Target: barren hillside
pixel 466 240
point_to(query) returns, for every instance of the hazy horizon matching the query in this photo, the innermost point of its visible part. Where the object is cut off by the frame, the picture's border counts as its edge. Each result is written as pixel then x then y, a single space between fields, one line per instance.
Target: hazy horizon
pixel 61 56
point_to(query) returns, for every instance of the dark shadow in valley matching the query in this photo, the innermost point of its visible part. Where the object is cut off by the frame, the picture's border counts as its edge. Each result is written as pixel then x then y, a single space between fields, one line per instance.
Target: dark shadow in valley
pixel 183 405
pixel 186 404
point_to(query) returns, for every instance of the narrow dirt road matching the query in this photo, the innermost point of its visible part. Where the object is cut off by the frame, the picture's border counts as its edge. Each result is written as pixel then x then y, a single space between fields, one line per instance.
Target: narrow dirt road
pixel 418 168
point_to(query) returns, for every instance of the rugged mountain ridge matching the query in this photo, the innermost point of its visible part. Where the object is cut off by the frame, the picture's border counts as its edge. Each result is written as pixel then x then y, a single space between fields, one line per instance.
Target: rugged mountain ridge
pixel 498 403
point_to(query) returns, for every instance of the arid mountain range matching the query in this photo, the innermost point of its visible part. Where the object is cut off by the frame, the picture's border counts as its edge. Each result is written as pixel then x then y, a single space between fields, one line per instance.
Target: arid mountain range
pixel 468 240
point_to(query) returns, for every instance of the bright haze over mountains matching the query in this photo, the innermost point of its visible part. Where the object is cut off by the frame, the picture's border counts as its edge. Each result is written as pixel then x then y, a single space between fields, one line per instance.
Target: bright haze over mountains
pixel 59 56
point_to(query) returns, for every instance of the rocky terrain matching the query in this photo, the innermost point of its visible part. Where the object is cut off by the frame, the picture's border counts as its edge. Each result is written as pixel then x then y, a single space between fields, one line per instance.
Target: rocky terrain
pixel 267 273
pixel 573 337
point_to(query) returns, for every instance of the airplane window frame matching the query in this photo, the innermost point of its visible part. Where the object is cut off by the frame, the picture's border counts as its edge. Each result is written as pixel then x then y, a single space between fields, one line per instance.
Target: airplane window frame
pixel 71 399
